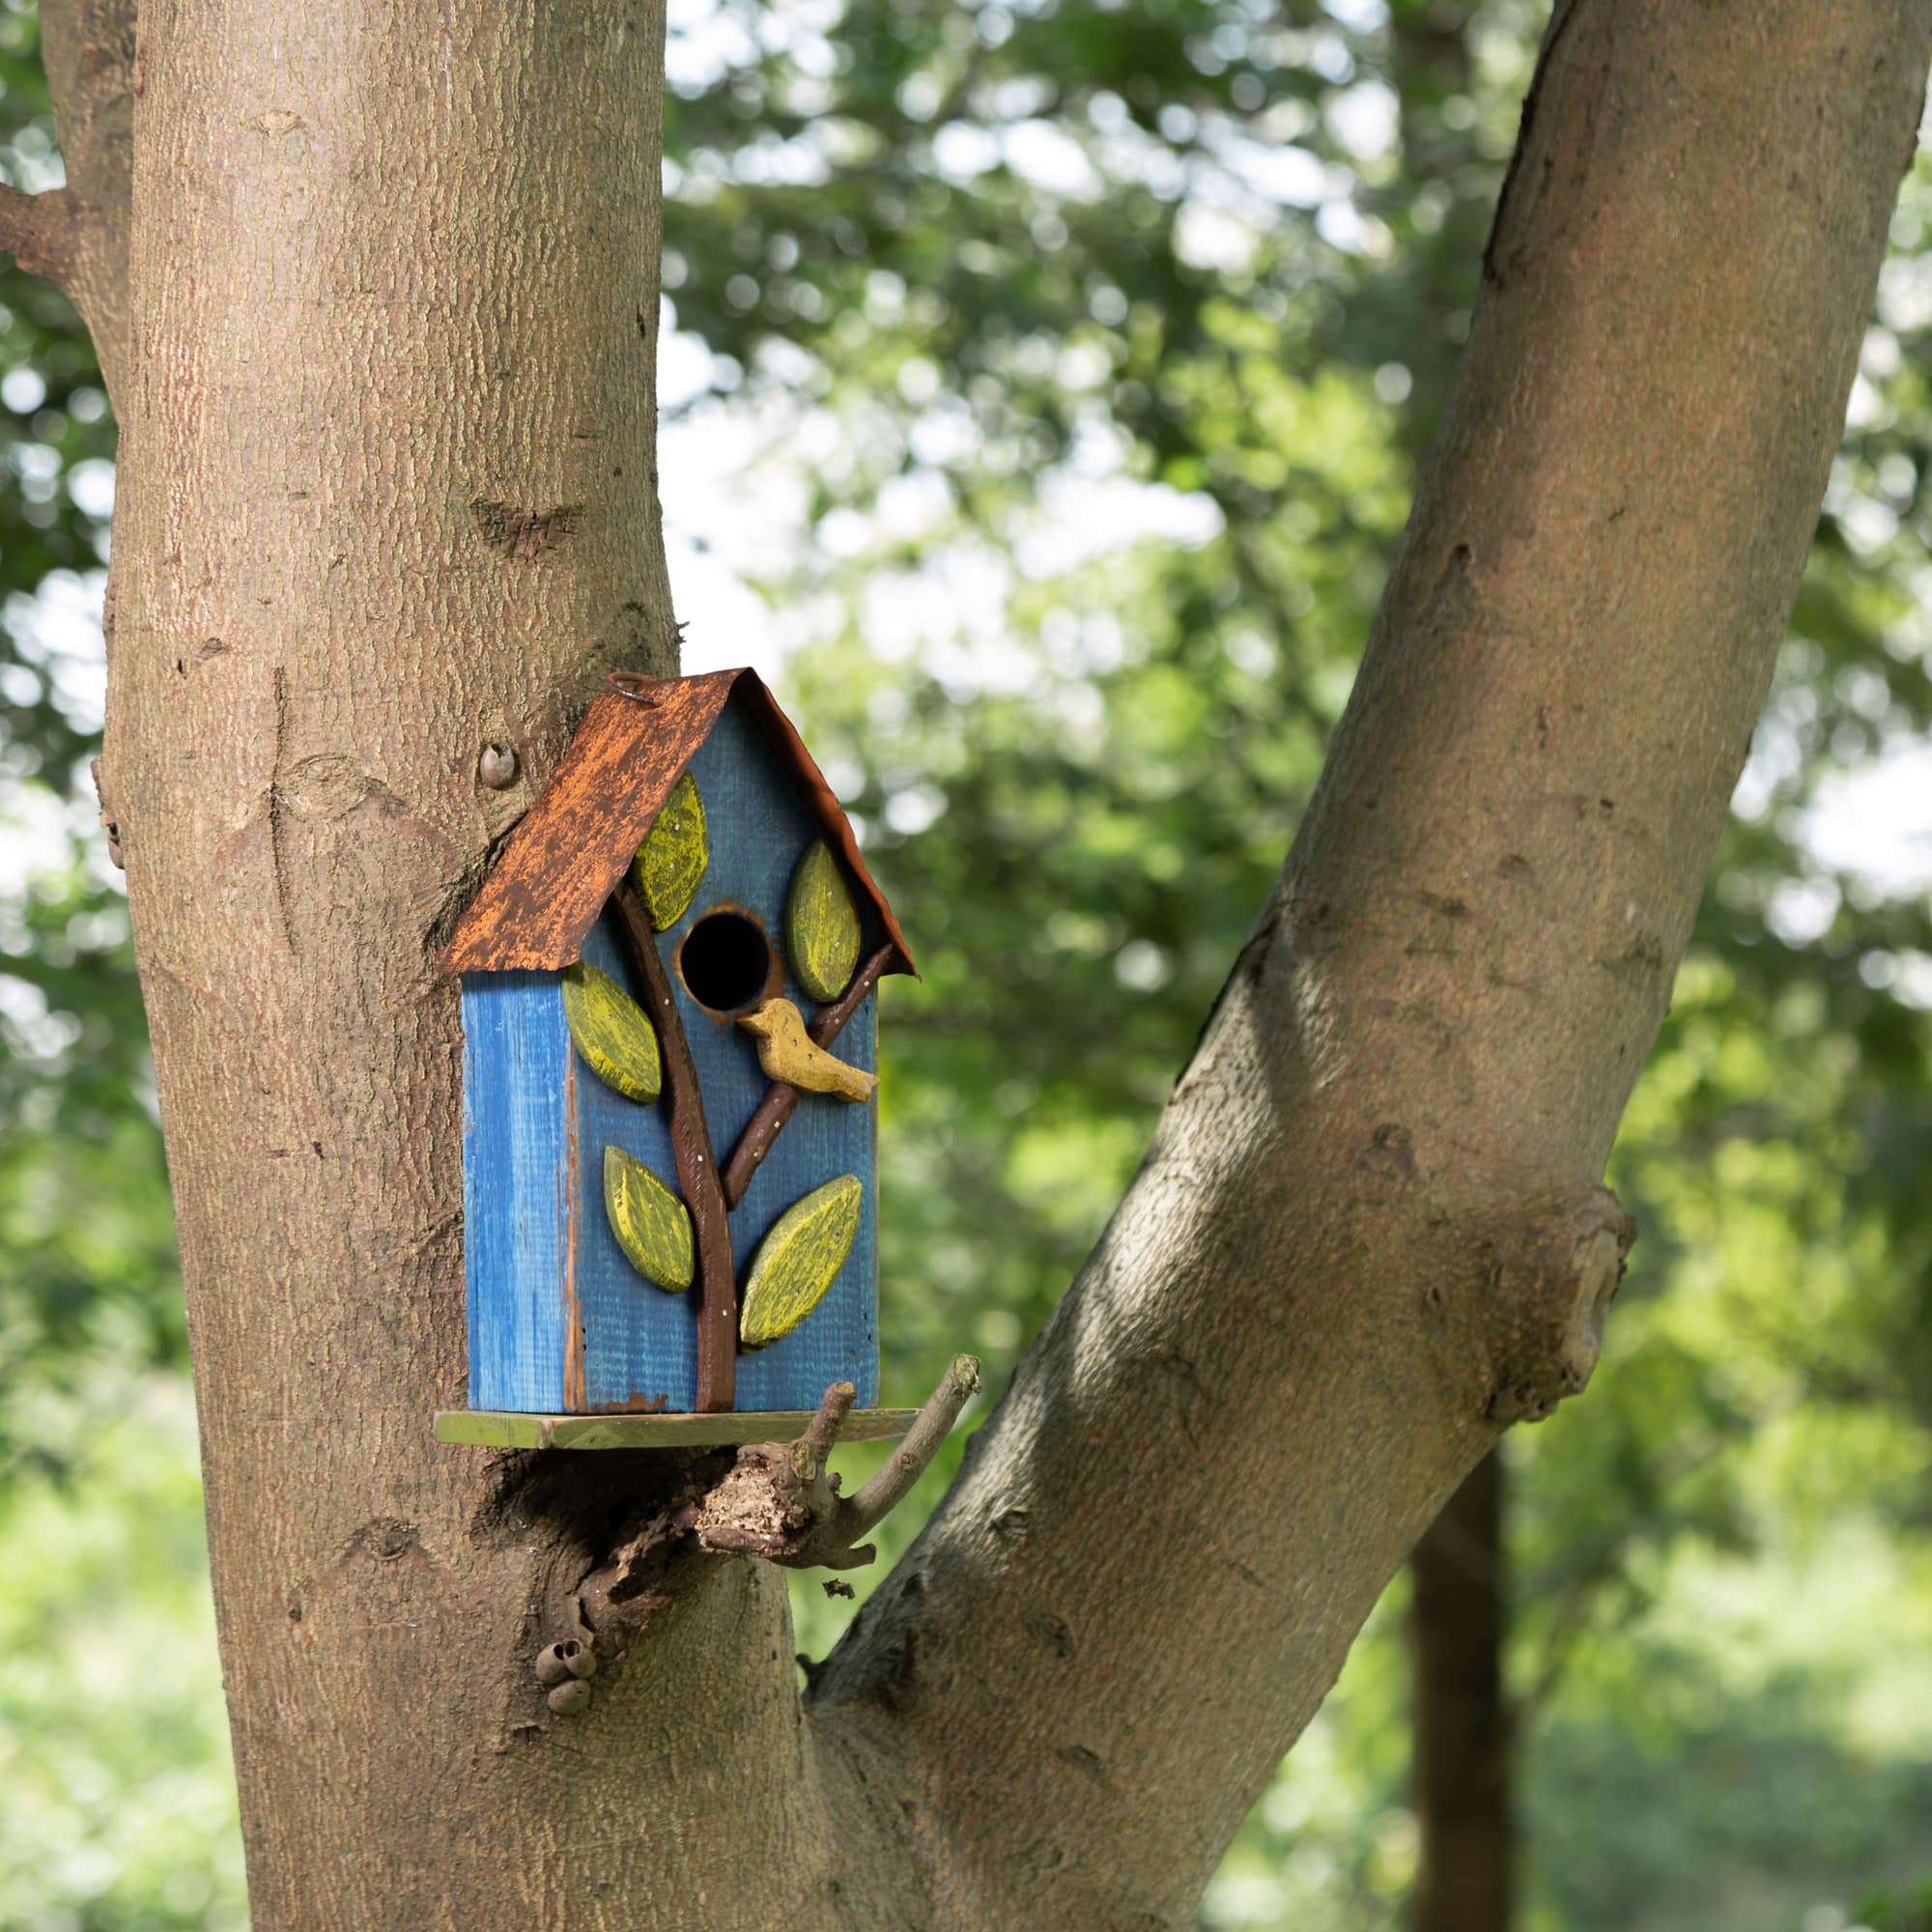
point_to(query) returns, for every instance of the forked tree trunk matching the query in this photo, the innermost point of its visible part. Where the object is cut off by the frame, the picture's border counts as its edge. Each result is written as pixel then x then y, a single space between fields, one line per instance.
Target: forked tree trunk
pixel 387 495
pixel 1457 1620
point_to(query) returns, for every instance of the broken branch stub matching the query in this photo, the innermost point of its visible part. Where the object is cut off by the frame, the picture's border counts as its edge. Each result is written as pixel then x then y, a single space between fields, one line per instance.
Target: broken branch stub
pixel 1553 1289
pixel 777 1502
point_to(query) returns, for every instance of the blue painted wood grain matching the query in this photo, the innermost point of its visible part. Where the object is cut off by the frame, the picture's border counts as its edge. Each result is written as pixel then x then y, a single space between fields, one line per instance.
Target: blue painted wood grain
pixel 638 1342
pixel 518 1204
pixel 541 1256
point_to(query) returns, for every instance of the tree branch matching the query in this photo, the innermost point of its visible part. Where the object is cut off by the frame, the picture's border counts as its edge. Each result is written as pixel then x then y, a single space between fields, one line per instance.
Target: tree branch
pixel 88 46
pixel 781 1099
pixel 1460 1764
pixel 41 233
pixel 696 1169
pixel 1370 1231
pixel 777 1501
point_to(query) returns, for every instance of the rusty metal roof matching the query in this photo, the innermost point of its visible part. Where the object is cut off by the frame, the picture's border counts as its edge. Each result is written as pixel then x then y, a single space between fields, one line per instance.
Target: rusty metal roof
pixel 571 850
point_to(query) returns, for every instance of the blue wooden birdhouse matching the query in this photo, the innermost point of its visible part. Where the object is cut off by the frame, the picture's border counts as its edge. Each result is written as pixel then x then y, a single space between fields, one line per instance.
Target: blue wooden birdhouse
pixel 670 1121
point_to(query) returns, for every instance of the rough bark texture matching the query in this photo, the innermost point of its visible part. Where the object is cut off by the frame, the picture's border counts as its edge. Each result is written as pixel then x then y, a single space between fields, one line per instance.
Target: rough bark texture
pixel 1465 1878
pixel 392 290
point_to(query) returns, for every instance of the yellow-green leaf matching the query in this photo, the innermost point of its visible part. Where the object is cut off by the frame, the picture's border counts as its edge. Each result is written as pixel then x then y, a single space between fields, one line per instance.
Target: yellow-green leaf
pixel 611 1032
pixel 821 924
pixel 648 1220
pixel 798 1261
pixel 671 861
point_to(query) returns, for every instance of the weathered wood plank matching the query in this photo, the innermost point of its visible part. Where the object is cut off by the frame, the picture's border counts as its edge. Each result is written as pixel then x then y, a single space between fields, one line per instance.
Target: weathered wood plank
pixel 519 1185
pixel 771 824
pixel 639 1344
pixel 501 1428
pixel 697 1164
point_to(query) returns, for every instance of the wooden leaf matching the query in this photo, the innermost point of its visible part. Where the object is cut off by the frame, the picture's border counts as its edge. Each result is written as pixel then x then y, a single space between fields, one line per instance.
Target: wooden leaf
pixel 649 1221
pixel 612 1032
pixel 821 924
pixel 670 862
pixel 798 1261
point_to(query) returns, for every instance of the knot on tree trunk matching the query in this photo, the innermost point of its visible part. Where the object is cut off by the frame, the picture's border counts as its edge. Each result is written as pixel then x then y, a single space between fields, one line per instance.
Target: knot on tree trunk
pixel 1549 1287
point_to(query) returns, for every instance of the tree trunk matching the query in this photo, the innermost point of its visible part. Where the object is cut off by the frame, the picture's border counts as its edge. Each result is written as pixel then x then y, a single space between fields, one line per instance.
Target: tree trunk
pixel 1459 1620
pixel 387 496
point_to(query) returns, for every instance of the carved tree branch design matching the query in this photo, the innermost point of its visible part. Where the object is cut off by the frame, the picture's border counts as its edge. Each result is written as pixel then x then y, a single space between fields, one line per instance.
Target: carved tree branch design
pixel 697 1171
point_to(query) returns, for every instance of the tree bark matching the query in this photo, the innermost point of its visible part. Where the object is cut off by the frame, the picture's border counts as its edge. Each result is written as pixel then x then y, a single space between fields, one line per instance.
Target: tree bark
pixel 1464 1877
pixel 389 496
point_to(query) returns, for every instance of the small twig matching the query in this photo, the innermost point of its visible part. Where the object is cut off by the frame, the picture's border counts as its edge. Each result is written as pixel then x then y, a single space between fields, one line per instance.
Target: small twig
pixel 809 1451
pixel 933 1424
pixel 777 1502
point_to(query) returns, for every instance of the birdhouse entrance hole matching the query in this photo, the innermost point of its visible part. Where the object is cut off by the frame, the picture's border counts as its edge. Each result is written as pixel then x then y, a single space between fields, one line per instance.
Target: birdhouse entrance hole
pixel 727 962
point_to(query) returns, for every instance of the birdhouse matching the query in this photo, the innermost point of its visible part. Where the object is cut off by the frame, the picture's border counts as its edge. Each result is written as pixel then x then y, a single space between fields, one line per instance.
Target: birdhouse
pixel 670 1113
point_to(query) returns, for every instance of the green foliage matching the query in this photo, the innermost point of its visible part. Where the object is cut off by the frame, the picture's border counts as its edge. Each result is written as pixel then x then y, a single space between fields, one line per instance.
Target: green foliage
pixel 1905 1911
pixel 119 1807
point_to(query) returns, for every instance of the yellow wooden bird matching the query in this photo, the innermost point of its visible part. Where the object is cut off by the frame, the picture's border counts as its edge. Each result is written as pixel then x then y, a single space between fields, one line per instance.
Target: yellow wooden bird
pixel 788 1053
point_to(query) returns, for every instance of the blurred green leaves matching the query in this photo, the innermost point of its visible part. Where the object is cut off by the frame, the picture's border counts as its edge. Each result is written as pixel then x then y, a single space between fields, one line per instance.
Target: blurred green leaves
pixel 119 1807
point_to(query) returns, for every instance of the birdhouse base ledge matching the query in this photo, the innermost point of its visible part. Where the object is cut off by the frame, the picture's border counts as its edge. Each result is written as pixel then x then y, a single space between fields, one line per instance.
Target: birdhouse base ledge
pixel 511 1429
